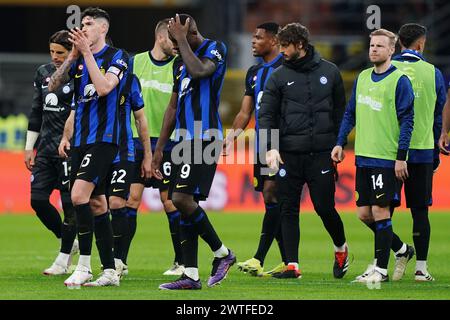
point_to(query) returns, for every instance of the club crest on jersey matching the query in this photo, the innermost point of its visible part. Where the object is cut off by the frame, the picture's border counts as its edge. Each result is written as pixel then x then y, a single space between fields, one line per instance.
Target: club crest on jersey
pixel 282 172
pixel 323 80
pixel 66 89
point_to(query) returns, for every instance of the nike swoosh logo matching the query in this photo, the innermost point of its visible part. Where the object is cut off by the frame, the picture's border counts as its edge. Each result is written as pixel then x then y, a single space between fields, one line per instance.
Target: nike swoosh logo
pixel 43 87
pixel 325 171
pixel 117 190
pixel 156 72
pixel 253 86
pixel 379 195
pixel 178 77
pixel 181 186
pixel 78 75
pixel 80 173
pixel 183 241
pixel 64 182
pixel 289 83
pixel 166 181
pixel 83 233
pixel 272 174
pixel 117 236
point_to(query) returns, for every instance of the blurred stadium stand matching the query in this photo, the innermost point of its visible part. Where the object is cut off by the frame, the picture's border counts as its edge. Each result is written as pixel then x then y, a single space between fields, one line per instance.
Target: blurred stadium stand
pixel 338 30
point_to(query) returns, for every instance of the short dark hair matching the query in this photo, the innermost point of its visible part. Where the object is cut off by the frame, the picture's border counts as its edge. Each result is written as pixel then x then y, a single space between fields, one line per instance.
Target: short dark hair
pixel 95 13
pixel 61 37
pixel 294 33
pixel 410 32
pixel 270 27
pixel 192 23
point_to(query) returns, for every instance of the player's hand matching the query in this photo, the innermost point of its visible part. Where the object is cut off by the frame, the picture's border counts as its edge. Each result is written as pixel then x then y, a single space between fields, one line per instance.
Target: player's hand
pixel 273 159
pixel 146 167
pixel 29 159
pixel 443 143
pixel 401 170
pixel 156 164
pixel 337 154
pixel 177 29
pixel 73 54
pixel 227 144
pixel 64 146
pixel 79 39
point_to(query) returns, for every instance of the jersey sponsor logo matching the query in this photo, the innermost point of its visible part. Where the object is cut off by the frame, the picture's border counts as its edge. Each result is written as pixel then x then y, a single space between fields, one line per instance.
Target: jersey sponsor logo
pixel 90 93
pixel 184 86
pixel 290 83
pixel 323 80
pixel 217 54
pixel 369 101
pixel 51 100
pixel 155 84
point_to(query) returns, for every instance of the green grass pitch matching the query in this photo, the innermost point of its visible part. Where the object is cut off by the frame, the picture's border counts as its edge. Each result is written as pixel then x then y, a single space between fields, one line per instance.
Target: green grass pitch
pixel 27 248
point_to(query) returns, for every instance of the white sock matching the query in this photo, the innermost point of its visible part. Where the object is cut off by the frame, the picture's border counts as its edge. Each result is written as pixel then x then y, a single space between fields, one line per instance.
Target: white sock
pixel 341 248
pixel 84 261
pixel 382 271
pixel 402 249
pixel 421 265
pixel 374 262
pixel 62 259
pixel 192 273
pixel 295 264
pixel 221 252
pixel 117 262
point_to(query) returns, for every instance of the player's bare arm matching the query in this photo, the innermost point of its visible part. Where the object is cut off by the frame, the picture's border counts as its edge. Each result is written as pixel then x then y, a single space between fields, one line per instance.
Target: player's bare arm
pixel 240 123
pixel 67 135
pixel 443 140
pixel 166 130
pixel 142 128
pixel 104 84
pixel 197 68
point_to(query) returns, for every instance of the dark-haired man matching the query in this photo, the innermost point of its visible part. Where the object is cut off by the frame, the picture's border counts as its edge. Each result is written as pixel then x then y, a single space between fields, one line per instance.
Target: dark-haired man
pixel 265 46
pixel 49 112
pixel 423 156
pixel 97 69
pixel 193 111
pixel 307 95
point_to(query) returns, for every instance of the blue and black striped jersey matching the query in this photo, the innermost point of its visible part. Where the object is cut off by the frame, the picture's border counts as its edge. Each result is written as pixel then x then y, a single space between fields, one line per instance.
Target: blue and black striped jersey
pixel 130 100
pixel 97 118
pixel 255 82
pixel 198 99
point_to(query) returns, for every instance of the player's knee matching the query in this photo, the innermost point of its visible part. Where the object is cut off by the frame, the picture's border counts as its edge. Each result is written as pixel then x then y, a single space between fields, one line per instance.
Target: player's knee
pixel 39 205
pixel 78 199
pixel 116 202
pixel 168 206
pixel 365 217
pixel 269 195
pixel 97 205
pixel 134 200
pixel 183 202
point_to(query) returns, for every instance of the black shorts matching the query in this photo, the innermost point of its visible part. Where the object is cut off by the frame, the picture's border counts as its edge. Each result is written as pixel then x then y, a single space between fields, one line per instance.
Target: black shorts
pixel 92 163
pixel 48 174
pixel 195 178
pixel 418 186
pixel 259 177
pixel 119 179
pixel 375 186
pixel 166 169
